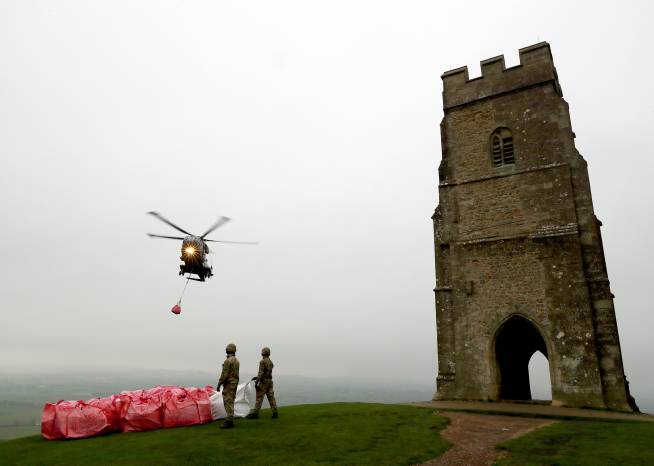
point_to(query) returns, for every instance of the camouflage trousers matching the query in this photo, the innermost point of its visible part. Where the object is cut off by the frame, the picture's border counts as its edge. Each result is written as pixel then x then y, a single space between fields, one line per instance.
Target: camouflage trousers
pixel 229 393
pixel 265 388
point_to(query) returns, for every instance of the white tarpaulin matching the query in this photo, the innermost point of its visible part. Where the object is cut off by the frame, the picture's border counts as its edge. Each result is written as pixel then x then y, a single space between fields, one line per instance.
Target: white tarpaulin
pixel 246 395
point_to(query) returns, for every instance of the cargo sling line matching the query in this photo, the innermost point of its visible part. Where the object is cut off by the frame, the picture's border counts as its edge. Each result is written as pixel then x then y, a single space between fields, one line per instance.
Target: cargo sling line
pixel 184 290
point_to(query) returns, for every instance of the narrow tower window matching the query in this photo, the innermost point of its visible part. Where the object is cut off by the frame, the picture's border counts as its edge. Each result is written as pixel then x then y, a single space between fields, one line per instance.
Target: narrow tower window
pixel 502 147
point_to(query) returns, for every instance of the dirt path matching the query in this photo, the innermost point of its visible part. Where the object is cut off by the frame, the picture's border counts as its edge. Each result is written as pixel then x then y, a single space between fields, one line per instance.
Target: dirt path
pixel 474 437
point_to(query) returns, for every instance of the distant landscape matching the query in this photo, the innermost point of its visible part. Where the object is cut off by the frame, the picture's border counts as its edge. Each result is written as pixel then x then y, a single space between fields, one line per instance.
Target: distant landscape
pixel 23 393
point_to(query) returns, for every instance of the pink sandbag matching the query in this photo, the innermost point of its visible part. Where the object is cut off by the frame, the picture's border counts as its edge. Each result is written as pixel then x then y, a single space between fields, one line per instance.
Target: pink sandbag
pixel 78 419
pixel 209 389
pixel 131 411
pixel 187 407
pixel 204 404
pixel 162 390
pixel 180 409
pixel 144 411
pixel 48 421
pixel 113 407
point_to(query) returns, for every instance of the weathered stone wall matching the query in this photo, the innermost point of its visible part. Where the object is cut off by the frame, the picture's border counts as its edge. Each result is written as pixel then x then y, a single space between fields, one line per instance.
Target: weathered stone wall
pixel 524 204
pixel 520 239
pixel 535 112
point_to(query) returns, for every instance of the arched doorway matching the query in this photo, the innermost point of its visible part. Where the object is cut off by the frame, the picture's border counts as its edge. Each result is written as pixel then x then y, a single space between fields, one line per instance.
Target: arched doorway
pixel 516 342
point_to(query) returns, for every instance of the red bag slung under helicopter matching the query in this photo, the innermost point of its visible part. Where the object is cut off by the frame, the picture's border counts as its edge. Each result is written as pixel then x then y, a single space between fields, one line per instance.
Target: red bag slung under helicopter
pixel 131 411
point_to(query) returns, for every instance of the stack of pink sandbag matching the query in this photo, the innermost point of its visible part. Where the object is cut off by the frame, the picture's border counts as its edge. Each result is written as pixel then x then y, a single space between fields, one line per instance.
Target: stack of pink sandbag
pixel 131 411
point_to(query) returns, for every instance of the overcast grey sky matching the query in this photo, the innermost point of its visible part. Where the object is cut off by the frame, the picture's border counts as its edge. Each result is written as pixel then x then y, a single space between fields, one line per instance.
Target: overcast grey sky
pixel 314 125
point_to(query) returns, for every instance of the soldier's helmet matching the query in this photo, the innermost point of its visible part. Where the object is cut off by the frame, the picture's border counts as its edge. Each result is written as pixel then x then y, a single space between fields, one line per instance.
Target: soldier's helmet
pixel 231 348
pixel 265 351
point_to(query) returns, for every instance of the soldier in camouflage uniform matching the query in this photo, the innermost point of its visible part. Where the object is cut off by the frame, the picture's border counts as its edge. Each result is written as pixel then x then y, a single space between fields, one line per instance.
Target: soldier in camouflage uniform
pixel 264 384
pixel 229 381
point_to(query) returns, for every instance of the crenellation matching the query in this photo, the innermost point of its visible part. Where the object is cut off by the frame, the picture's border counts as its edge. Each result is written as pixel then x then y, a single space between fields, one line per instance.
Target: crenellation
pixel 462 72
pixel 536 68
pixel 492 67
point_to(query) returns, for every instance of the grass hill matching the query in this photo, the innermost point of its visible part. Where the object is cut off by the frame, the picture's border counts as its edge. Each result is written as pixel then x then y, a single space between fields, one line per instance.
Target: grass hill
pixel 336 433
pixel 583 443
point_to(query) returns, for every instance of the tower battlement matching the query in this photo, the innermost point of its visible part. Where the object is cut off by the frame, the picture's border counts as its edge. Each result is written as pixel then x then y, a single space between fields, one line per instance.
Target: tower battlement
pixel 536 68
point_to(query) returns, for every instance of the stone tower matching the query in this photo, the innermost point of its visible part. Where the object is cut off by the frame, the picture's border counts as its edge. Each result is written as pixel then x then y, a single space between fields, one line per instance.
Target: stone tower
pixel 519 259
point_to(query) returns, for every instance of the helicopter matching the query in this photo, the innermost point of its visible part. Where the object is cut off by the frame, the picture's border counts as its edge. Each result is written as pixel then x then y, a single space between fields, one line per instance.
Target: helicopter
pixel 195 248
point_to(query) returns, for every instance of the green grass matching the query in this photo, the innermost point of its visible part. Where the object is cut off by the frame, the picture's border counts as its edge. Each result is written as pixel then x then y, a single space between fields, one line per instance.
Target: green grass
pixel 336 433
pixel 583 443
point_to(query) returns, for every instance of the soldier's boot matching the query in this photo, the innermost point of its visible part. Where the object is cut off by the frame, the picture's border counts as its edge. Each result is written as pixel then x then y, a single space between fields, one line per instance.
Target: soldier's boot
pixel 228 424
pixel 275 415
pixel 252 415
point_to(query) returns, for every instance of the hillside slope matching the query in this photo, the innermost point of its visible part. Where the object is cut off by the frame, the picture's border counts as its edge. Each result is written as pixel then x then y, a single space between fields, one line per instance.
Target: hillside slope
pixel 583 443
pixel 337 433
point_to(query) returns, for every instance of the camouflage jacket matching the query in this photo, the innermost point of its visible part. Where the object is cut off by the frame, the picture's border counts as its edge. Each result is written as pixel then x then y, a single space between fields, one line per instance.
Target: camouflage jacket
pixel 230 370
pixel 265 369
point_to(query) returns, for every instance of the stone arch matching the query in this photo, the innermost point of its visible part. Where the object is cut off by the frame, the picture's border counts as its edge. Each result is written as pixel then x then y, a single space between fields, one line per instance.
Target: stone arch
pixel 514 342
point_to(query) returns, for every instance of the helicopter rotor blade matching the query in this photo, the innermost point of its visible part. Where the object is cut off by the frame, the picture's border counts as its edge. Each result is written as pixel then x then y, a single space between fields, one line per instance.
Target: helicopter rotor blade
pixel 168 222
pixel 220 222
pixel 162 236
pixel 230 242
